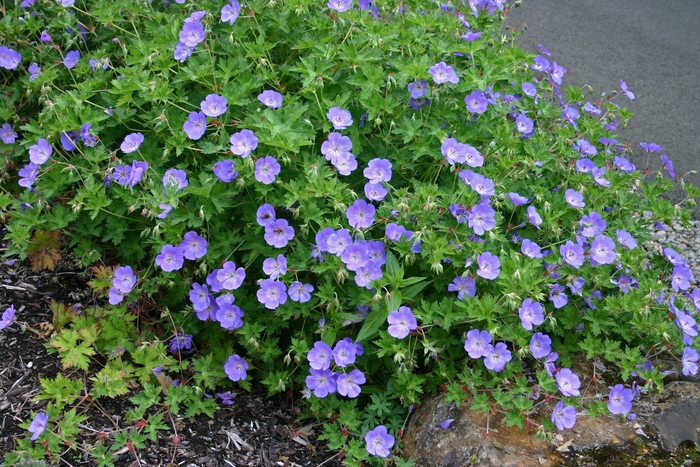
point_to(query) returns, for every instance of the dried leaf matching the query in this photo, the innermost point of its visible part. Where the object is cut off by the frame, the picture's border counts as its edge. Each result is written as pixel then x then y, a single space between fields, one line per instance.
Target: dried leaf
pixel 44 250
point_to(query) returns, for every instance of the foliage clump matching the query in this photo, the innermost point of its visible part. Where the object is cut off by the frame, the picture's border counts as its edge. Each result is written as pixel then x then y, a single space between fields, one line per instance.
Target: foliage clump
pixel 364 203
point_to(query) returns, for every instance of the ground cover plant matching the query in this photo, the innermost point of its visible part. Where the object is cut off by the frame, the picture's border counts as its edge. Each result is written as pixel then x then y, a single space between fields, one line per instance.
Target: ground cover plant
pixel 362 203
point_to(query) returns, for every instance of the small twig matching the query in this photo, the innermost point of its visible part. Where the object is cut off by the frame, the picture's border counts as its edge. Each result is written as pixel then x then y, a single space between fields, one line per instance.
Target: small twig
pixel 329 459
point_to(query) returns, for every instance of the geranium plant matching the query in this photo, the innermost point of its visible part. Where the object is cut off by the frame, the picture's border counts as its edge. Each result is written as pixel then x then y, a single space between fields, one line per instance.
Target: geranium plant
pixel 363 203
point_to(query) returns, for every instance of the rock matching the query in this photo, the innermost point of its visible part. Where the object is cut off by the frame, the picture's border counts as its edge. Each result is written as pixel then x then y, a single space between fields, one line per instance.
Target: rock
pixel 680 423
pixel 671 418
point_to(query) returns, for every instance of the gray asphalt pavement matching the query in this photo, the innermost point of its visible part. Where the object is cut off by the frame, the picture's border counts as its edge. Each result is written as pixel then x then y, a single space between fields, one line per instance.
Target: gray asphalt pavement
pixel 654 45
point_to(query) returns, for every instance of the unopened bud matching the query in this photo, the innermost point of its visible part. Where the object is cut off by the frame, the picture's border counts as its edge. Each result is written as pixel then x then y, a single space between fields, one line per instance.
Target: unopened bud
pixel 287 359
pixel 342 275
pixel 436 267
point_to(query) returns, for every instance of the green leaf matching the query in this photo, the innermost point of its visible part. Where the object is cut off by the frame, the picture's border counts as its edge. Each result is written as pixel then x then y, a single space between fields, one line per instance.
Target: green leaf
pixel 72 353
pixel 372 324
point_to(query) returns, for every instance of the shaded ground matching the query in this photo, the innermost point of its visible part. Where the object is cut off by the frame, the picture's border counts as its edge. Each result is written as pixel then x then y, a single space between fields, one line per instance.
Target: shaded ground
pixel 255 431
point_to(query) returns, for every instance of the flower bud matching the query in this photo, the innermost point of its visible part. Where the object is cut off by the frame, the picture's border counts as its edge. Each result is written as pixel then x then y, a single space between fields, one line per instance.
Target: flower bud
pixel 436 267
pixel 287 359
pixel 342 275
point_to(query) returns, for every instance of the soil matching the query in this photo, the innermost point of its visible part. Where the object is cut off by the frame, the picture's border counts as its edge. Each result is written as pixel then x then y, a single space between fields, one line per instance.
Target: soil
pixel 255 431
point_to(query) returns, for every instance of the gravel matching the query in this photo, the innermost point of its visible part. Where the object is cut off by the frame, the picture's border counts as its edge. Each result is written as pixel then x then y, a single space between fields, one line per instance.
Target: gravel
pixel 686 241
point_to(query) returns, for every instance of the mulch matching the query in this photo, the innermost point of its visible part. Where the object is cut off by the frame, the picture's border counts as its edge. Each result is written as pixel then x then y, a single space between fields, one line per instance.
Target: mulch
pixel 255 431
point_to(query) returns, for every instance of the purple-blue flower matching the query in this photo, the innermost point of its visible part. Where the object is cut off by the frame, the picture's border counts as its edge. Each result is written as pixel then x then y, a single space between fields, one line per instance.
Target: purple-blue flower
pixel 344 353
pixel 489 266
pixel 265 215
pixel 180 342
pixel 481 218
pixel 463 286
pixel 592 224
pixel 472 156
pixel 229 276
pixel 476 102
pixel 171 258
pixel 572 253
pixel 531 249
pixel 275 267
pixel 603 250
pixel 517 199
pixel 418 88
pixel 182 52
pixel 199 296
pixel 557 73
pixel 175 178
pixel 45 37
pixel 524 124
pixel 230 12
pixel 40 152
pixel 124 279
pixel 34 71
pixel 620 400
pixel 477 343
pixel 497 358
pixel 624 164
pixel 531 313
pixel 235 368
pixel 7 134
pixel 214 105
pixel 225 170
pixel 625 90
pixel 668 165
pixel 529 89
pixel 443 73
pixel 71 59
pixel 272 294
pixel 690 359
pixel 375 191
pixel 340 118
pixel 379 442
pixel 557 296
pixel 229 316
pixel 320 356
pixel 195 125
pixel 533 216
pixel 540 345
pixel 454 151
pixel 271 99
pixel 401 322
pixel 378 170
pixel 278 233
pixel 360 214
pixel 131 142
pixel 349 383
pixel 321 382
pixel 568 382
pixel 564 417
pixel 88 139
pixel 266 169
pixel 193 246
pixel 28 175
pixel 574 198
pixel 192 33
pixel 341 6
pixel 38 425
pixel 243 143
pixel 299 292
pixel 8 316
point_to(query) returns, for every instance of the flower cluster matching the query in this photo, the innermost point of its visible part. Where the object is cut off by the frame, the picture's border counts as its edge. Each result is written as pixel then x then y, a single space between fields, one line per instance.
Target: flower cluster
pixel 323 381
